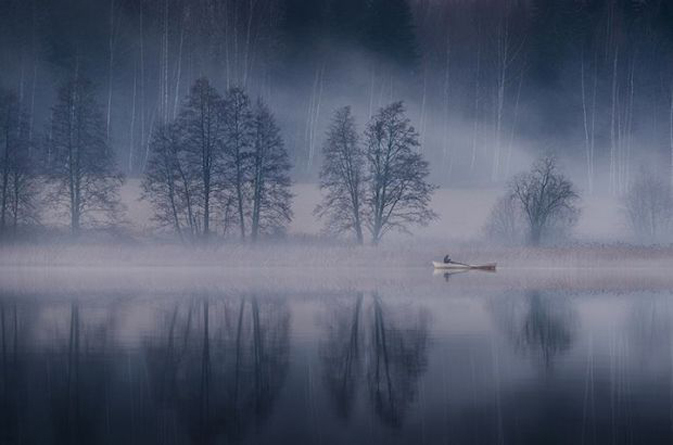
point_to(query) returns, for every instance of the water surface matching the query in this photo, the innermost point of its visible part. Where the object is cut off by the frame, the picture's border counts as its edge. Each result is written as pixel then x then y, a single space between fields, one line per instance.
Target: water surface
pixel 335 358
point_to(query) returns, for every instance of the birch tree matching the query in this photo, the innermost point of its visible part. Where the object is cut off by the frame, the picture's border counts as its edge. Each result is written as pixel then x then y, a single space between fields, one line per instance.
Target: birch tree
pixel 399 194
pixel 342 177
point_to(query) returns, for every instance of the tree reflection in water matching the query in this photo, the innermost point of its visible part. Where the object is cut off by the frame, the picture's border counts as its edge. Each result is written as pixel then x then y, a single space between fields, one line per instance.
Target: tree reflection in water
pixel 78 376
pixel 537 324
pixel 220 365
pixel 387 348
pixel 10 372
pixel 340 356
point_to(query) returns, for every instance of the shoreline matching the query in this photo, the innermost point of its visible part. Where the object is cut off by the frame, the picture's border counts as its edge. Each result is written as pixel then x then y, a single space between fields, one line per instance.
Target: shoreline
pixel 408 254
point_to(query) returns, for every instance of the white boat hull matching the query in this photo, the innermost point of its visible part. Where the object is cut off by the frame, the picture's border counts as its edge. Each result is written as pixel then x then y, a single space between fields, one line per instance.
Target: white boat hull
pixel 456 266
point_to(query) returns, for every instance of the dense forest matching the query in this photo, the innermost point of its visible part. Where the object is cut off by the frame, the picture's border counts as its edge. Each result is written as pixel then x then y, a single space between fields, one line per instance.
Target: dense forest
pixel 486 81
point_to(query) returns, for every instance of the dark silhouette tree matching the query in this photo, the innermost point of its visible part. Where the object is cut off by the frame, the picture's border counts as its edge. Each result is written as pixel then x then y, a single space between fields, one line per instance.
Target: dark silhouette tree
pixel 546 197
pixel 166 183
pixel 271 195
pixel 238 143
pixel 201 125
pixel 399 194
pixel 343 177
pixel 18 181
pixel 80 162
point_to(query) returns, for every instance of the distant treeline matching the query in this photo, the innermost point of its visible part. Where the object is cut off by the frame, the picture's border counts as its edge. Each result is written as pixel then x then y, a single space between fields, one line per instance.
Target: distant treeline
pixel 218 169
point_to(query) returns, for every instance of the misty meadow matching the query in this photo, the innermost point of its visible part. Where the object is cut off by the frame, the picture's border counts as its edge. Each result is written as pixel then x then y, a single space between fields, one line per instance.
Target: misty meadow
pixel 336 221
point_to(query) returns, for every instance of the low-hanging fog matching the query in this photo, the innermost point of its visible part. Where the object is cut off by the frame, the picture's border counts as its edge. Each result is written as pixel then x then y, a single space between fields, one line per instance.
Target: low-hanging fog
pixel 489 85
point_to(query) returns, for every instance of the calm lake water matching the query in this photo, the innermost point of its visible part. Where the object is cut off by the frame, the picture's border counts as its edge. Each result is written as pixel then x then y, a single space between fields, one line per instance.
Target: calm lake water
pixel 410 358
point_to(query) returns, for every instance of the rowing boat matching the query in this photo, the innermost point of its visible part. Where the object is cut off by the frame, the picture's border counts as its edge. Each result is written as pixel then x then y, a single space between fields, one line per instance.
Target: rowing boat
pixel 460 266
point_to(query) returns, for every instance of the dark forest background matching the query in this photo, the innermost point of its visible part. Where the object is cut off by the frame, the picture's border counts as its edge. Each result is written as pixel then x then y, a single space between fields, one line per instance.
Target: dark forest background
pixel 488 83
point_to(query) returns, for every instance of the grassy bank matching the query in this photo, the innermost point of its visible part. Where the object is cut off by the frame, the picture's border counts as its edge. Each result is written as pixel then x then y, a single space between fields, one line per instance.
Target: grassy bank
pixel 307 254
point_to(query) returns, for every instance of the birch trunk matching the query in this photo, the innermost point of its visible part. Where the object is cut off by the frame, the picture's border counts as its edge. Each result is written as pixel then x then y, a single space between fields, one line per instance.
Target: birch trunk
pixel 109 75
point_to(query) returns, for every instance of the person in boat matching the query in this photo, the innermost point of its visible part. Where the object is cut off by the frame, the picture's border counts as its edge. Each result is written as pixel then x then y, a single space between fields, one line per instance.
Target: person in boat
pixel 447 260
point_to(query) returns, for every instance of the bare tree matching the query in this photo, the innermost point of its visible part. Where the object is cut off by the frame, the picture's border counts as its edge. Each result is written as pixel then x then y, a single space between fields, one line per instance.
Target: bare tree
pixel 238 141
pixel 166 184
pixel 343 176
pixel 399 194
pixel 546 198
pixel 201 125
pixel 18 183
pixel 271 195
pixel 648 205
pixel 82 167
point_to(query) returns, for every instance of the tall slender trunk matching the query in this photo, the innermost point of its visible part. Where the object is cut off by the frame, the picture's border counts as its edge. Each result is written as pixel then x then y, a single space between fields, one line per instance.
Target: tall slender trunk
pixel 206 163
pixel 312 115
pixel 33 87
pixel 164 68
pixel 188 199
pixel 447 152
pixel 239 189
pixel 111 44
pixel 132 130
pixel 7 130
pixel 142 79
pixel 257 193
pixel 503 56
pixel 246 54
pixel 670 134
pixel 235 34
pixel 227 63
pixel 168 170
pixel 613 126
pixel 16 201
pixel 179 72
pixel 358 222
pixel 424 94
pixel 74 162
pixel 515 121
pixel 587 142
pixel 475 124
pixel 206 204
pixel 628 130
